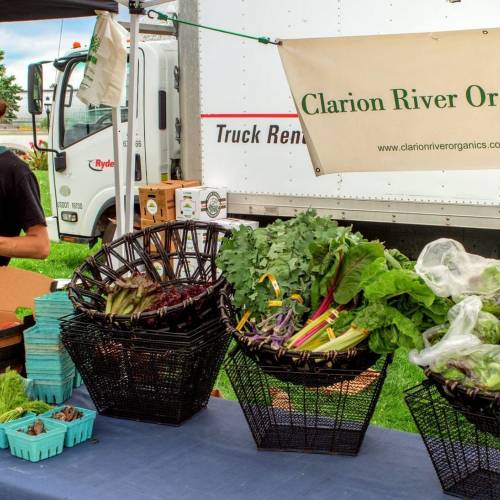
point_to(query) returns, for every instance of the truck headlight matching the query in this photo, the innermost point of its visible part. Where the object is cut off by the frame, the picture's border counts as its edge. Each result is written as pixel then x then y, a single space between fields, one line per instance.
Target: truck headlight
pixel 69 216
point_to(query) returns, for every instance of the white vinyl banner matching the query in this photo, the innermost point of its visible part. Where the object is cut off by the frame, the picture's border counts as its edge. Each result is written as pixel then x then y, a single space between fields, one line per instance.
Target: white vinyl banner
pixel 424 101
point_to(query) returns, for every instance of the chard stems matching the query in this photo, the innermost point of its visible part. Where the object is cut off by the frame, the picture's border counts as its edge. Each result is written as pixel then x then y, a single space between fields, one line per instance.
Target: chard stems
pixel 313 327
pixel 349 339
pixel 326 302
pixel 316 340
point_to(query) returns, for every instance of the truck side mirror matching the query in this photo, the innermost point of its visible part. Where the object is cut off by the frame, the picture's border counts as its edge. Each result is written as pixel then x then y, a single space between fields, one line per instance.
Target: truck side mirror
pixel 35 89
pixel 36 107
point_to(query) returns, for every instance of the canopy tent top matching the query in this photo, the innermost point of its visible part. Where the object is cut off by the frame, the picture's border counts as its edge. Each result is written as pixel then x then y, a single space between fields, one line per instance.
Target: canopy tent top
pixel 31 10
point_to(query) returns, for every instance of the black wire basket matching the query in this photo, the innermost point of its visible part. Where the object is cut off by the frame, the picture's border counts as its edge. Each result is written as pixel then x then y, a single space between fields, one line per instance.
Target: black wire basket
pixel 346 363
pixel 296 414
pixel 173 253
pixel 466 459
pixel 160 376
pixel 472 402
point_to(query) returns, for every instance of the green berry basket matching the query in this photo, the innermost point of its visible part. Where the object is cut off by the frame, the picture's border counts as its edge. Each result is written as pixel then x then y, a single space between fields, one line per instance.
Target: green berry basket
pixel 4 442
pixel 54 391
pixel 78 430
pixel 36 448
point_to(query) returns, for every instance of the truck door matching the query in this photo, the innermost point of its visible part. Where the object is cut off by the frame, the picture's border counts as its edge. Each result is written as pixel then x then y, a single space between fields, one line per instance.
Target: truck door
pixel 85 190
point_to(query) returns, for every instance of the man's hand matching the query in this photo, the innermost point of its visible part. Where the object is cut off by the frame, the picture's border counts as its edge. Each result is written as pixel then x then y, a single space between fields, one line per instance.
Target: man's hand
pixel 34 245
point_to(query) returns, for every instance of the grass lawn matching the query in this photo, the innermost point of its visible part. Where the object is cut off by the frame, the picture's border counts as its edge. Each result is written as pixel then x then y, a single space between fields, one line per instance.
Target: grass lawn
pixel 391 410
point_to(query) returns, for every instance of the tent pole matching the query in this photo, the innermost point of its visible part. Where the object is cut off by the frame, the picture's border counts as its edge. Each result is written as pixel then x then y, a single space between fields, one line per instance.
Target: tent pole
pixel 138 6
pixel 120 209
pixel 132 123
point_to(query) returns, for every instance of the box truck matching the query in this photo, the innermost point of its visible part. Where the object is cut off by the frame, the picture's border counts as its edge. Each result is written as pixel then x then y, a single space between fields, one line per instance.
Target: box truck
pixel 219 109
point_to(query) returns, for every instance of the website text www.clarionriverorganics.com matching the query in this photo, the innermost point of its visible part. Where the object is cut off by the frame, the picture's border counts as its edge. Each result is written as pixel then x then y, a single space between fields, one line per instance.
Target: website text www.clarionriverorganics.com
pixel 443 146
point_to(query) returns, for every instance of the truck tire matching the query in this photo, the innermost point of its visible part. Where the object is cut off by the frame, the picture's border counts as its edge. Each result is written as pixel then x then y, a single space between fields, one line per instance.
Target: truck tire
pixel 109 232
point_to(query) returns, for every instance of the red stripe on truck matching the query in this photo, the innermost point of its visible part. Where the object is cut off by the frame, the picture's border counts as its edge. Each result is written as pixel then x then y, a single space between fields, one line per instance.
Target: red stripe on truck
pixel 249 115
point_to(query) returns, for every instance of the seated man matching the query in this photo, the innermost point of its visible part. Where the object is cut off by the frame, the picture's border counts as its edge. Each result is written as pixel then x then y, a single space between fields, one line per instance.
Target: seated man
pixel 20 209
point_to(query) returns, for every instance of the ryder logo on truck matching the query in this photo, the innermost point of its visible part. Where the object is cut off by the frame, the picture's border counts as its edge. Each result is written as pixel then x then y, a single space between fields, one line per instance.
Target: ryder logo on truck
pixel 99 165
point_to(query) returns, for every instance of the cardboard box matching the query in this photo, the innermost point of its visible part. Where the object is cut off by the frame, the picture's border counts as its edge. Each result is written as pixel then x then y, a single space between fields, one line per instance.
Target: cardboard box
pixel 232 223
pixel 147 222
pixel 153 250
pixel 207 204
pixel 229 223
pixel 18 288
pixel 157 201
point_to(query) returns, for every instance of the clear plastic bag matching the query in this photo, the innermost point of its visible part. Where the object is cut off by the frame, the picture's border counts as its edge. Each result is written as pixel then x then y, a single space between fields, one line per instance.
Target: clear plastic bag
pixel 460 335
pixel 450 271
pixel 487 328
pixel 477 366
pixel 468 326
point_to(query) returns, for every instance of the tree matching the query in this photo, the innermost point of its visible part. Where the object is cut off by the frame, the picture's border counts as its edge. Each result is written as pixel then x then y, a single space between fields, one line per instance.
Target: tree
pixel 9 91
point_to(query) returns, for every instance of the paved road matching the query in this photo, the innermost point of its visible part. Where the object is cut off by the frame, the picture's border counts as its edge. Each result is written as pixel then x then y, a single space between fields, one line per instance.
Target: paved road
pixel 22 140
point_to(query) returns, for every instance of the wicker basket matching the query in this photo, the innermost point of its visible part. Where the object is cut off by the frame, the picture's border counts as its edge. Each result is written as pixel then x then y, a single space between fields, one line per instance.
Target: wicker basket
pixel 181 252
pixel 359 358
pixel 473 403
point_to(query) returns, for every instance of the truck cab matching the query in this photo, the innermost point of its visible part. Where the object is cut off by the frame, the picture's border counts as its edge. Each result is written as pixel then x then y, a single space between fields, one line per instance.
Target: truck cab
pixel 82 186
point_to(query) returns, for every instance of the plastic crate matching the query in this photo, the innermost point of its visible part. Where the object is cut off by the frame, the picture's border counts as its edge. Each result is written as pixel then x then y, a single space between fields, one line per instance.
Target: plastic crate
pixel 51 307
pixel 60 297
pixel 55 304
pixel 52 376
pixel 49 365
pixel 146 375
pixel 4 442
pixel 54 392
pixel 78 430
pixel 48 321
pixel 36 448
pixel 52 318
pixel 56 361
pixel 53 350
pixel 299 413
pixel 43 334
pixel 465 457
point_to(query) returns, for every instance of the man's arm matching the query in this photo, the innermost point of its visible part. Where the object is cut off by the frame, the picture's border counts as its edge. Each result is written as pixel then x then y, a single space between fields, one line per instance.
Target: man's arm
pixel 34 245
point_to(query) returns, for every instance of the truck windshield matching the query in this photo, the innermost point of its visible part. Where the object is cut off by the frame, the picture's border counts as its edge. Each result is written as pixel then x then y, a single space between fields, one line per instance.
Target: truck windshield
pixel 79 120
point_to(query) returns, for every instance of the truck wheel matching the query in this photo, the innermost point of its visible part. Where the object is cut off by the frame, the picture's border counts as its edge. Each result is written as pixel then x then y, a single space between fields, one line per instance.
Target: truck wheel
pixel 109 232
pixel 108 235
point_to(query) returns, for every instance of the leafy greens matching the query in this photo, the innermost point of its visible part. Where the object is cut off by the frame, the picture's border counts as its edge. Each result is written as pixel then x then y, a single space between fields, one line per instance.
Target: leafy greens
pixel 352 288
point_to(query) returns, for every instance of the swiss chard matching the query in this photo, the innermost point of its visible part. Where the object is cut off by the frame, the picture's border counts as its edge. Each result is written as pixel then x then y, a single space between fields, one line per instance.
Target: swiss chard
pixel 352 289
pixel 362 262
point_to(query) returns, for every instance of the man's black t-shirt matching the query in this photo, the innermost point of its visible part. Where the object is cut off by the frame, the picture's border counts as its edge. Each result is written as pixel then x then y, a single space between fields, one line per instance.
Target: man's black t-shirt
pixel 20 206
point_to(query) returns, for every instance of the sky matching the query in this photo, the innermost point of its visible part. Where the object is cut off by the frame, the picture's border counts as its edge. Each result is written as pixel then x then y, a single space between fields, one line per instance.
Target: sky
pixel 33 41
